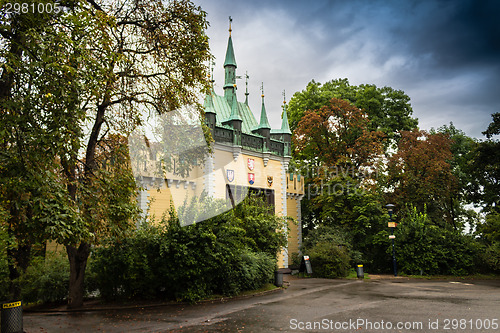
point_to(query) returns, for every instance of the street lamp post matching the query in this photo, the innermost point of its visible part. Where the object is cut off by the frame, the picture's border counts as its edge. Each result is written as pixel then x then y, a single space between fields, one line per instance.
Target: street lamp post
pixel 390 210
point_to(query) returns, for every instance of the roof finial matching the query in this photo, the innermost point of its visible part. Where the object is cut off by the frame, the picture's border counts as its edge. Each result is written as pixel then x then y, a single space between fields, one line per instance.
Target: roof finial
pixel 284 98
pixel 246 91
pixel 262 89
pixel 230 20
pixel 212 65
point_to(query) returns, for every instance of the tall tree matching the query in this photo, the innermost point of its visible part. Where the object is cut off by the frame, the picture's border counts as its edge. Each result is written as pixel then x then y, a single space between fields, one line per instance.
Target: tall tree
pixel 461 148
pixel 336 152
pixel 114 60
pixel 421 174
pixel 40 122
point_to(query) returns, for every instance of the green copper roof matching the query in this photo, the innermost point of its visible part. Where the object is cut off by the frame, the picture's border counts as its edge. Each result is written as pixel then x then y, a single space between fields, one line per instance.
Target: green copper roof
pixel 230 60
pixel 264 123
pixel 208 105
pixel 223 111
pixel 235 112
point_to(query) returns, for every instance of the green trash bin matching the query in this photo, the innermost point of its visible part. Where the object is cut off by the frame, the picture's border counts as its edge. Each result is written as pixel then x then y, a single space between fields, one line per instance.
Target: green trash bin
pixel 12 317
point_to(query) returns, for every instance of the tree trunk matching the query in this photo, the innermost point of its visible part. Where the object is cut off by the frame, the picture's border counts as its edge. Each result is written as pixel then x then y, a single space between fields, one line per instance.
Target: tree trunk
pixel 77 264
pixel 78 256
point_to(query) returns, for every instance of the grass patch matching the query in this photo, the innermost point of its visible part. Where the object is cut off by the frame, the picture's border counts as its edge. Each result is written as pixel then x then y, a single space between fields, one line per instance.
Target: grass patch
pixel 264 288
pixel 353 275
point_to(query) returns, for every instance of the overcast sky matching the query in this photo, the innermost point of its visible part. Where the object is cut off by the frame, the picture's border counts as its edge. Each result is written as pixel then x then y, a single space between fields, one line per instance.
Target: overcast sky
pixel 445 55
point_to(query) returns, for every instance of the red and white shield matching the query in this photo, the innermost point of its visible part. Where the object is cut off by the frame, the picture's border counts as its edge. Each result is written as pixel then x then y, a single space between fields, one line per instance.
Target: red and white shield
pixel 251 178
pixel 251 164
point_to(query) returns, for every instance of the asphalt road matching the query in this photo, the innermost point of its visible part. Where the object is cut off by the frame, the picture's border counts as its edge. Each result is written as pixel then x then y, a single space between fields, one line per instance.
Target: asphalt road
pixel 308 305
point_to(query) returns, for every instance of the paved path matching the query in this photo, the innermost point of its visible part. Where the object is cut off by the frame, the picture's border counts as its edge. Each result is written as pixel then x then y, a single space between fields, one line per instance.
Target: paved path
pixel 308 305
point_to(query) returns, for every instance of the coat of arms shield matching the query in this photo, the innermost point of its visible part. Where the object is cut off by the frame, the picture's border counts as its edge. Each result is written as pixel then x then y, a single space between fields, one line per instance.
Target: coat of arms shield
pixel 230 175
pixel 251 178
pixel 269 180
pixel 251 164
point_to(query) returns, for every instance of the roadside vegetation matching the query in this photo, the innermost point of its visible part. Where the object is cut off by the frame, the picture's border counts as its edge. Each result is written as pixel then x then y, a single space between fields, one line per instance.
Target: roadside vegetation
pixel 225 255
pixel 359 150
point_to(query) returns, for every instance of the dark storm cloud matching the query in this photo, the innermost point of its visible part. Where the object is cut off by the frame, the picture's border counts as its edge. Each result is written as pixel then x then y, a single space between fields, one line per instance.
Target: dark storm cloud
pixel 460 34
pixel 443 54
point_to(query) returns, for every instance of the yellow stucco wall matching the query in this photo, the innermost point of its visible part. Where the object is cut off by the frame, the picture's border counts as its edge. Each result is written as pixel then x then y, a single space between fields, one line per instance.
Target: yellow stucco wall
pixel 212 177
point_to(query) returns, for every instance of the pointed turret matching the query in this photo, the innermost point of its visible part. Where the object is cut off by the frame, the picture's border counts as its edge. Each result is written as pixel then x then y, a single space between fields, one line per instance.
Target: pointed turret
pixel 234 119
pixel 287 134
pixel 264 123
pixel 230 70
pixel 264 128
pixel 230 60
pixel 210 114
pixel 208 105
pixel 285 127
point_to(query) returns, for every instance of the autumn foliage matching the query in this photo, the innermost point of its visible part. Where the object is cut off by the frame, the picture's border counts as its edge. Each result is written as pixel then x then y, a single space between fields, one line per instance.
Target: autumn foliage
pixel 337 134
pixel 421 175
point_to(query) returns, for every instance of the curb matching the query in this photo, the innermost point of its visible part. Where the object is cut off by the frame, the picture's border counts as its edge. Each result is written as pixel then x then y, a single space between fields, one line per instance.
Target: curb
pixel 151 305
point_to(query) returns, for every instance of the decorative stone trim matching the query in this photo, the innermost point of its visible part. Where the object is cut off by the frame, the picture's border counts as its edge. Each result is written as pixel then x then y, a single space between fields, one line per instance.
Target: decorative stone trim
pixel 284 167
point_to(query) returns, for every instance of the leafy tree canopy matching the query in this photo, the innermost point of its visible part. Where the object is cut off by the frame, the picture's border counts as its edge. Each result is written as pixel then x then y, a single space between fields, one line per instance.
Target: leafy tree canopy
pixel 421 174
pixel 71 79
pixel 388 109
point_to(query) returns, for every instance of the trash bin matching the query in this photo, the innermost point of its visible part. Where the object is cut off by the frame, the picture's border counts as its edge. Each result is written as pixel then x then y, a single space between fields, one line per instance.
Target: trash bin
pixel 278 279
pixel 12 317
pixel 359 272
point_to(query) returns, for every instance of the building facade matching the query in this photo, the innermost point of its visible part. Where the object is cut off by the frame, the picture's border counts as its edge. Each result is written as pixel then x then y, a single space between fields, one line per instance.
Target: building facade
pixel 247 156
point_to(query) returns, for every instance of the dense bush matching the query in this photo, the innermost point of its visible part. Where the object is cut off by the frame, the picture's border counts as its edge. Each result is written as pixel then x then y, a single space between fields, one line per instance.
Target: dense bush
pixel 46 279
pixel 329 252
pixel 4 269
pixel 427 248
pixel 491 257
pixel 222 255
pixel 329 260
pixel 4 278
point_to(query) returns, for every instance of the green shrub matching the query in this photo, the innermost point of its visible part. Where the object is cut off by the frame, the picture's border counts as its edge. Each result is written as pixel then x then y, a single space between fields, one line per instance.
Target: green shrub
pixel 329 260
pixel 46 279
pixel 424 247
pixel 4 278
pixel 4 268
pixel 491 258
pixel 255 270
pixel 224 255
pixel 329 252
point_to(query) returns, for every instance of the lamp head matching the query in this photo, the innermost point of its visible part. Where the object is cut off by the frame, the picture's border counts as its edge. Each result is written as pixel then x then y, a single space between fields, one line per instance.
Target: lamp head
pixel 390 208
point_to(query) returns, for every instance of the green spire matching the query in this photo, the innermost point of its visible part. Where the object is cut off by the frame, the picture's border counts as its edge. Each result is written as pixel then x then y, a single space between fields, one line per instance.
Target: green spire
pixel 209 103
pixel 264 123
pixel 235 114
pixel 285 128
pixel 230 71
pixel 230 60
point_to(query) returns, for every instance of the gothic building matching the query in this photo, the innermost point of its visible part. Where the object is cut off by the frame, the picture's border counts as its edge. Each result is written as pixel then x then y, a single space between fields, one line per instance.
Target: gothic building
pixel 248 156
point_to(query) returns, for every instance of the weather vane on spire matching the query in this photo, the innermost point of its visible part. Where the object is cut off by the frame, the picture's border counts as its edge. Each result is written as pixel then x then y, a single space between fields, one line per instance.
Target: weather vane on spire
pixel 284 98
pixel 212 65
pixel 230 21
pixel 262 89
